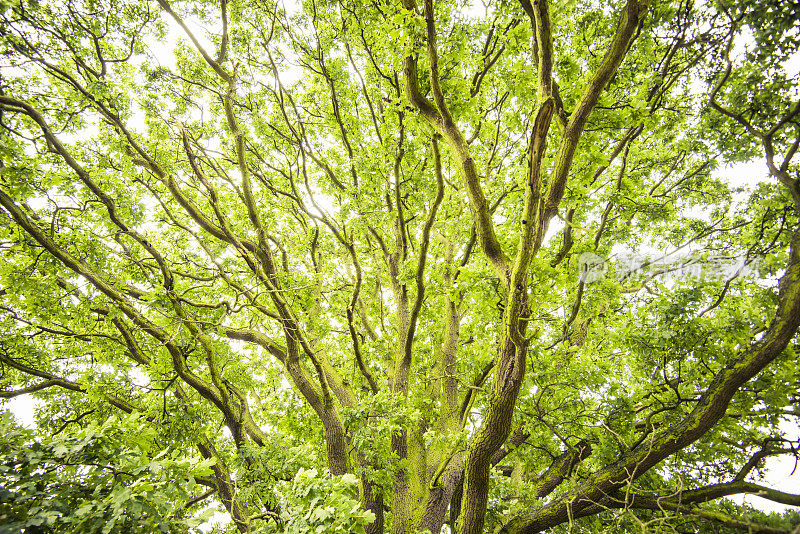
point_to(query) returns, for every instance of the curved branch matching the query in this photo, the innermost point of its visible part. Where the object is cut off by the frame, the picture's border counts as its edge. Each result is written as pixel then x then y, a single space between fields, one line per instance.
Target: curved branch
pixel 404 367
pixel 710 515
pixel 439 117
pixel 707 412
pixel 632 15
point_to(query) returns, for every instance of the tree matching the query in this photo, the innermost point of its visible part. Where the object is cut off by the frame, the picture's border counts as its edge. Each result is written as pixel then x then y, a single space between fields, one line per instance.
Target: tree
pixel 358 257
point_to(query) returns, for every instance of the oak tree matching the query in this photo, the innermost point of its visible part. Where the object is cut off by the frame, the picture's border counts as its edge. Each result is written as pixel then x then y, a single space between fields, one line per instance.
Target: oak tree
pixel 397 266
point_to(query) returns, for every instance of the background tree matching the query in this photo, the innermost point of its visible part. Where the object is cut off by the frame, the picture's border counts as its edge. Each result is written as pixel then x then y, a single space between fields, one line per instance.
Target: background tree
pixel 332 251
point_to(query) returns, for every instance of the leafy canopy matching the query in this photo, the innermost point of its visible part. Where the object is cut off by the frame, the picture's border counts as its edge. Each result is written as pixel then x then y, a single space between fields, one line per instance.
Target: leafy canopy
pixel 396 266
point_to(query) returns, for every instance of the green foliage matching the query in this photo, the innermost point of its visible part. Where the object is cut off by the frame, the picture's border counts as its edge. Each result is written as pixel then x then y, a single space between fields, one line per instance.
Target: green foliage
pixel 104 478
pixel 319 504
pixel 267 251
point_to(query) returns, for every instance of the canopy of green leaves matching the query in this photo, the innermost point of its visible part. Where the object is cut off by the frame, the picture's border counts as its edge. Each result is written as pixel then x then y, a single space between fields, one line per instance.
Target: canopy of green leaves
pixel 322 265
